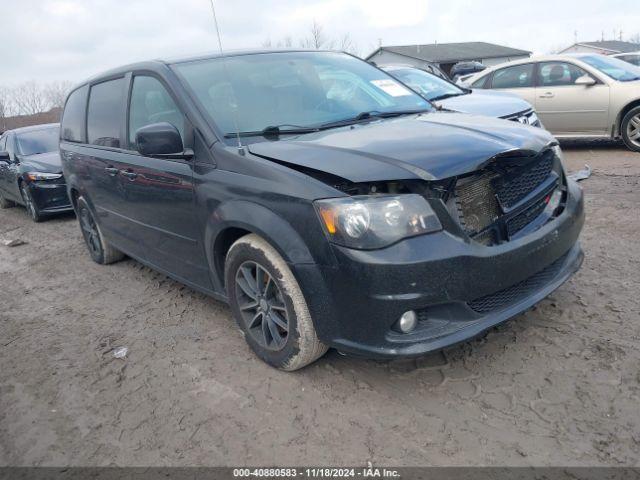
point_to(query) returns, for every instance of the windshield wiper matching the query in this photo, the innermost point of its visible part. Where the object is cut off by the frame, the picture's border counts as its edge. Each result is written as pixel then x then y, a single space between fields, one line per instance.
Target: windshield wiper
pixel 274 130
pixel 447 95
pixel 368 115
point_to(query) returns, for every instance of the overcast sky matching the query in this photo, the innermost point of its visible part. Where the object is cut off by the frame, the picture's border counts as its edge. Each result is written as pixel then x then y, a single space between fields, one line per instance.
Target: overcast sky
pixel 71 39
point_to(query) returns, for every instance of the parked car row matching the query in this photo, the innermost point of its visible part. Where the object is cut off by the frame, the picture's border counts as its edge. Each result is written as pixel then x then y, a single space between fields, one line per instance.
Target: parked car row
pixel 329 203
pixel 31 172
pixel 574 95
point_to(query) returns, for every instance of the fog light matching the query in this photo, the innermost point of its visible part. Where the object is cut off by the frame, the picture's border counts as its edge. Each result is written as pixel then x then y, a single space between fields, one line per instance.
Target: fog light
pixel 408 321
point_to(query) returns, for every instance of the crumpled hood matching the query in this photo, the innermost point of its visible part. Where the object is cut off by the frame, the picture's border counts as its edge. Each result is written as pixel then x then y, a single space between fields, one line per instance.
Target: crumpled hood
pixel 429 146
pixel 42 162
pixel 486 102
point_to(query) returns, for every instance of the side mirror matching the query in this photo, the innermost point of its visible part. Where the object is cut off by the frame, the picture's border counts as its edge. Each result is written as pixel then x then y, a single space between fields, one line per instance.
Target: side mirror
pixel 160 140
pixel 5 157
pixel 585 80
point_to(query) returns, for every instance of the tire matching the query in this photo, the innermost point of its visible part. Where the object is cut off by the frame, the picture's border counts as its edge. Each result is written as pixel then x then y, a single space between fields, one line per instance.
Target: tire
pixel 30 204
pixel 252 262
pixel 100 250
pixel 630 129
pixel 4 203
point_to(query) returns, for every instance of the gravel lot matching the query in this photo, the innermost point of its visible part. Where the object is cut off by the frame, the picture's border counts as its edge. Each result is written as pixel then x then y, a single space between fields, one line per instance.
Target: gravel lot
pixel 559 385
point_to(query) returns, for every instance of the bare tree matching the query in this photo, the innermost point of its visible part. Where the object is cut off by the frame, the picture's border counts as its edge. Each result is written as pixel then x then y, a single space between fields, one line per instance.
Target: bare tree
pixel 635 38
pixel 317 38
pixel 29 98
pixel 56 93
pixel 348 45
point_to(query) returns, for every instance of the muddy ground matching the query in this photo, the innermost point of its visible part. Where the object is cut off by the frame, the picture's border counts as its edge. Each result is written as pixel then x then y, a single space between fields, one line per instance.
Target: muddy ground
pixel 559 385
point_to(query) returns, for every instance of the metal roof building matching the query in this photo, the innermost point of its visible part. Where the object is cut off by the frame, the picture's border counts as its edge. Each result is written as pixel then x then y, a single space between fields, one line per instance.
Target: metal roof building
pixel 445 55
pixel 605 47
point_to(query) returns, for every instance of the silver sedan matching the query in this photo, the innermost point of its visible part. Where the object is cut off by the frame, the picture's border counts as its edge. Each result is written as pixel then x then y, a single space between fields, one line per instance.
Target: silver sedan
pixel 575 95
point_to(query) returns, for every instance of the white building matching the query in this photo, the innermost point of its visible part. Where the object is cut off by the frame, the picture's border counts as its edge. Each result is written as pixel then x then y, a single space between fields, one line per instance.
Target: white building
pixel 605 47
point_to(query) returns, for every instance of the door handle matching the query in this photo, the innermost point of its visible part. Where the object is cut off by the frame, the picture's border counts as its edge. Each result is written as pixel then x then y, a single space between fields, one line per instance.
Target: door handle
pixel 111 171
pixel 129 174
pixel 547 95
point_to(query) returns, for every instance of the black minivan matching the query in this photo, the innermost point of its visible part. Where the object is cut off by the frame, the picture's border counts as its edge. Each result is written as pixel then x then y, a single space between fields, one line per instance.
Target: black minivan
pixel 329 204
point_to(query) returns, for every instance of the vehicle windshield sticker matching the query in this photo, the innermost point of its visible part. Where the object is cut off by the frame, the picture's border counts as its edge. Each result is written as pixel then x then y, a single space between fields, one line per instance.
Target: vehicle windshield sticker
pixel 391 88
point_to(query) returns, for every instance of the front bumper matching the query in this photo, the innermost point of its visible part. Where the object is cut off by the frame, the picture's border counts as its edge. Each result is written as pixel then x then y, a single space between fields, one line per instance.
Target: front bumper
pixel 459 288
pixel 50 197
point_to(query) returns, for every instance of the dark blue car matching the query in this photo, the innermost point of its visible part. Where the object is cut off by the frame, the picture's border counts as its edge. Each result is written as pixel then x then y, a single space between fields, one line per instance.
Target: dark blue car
pixel 31 172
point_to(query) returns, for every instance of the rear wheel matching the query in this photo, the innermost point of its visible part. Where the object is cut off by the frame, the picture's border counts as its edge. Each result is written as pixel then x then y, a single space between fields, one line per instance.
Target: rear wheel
pixel 630 128
pixel 4 203
pixel 30 204
pixel 100 250
pixel 269 307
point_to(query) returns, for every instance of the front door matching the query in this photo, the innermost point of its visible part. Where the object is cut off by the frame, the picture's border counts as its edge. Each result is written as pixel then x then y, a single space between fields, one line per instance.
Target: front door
pixel 159 193
pixel 567 108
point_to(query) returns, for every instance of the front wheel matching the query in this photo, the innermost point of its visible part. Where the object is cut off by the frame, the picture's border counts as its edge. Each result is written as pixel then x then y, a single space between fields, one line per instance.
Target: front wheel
pixel 269 307
pixel 630 129
pixel 30 204
pixel 100 250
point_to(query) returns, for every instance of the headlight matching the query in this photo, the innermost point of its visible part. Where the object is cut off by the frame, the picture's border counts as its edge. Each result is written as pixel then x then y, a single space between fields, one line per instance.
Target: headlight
pixel 37 176
pixel 368 222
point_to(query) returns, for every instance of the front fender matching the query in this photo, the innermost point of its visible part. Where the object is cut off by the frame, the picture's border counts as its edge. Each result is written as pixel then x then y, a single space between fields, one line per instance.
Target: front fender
pixel 257 219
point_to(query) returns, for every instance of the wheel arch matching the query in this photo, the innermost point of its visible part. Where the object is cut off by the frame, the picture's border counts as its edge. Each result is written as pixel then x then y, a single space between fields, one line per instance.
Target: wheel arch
pixel 235 219
pixel 623 112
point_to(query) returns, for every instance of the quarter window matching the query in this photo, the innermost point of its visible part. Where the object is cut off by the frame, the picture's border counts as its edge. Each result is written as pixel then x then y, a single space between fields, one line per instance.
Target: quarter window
pixel 481 82
pixel 518 76
pixel 151 103
pixel 73 117
pixel 104 116
pixel 557 74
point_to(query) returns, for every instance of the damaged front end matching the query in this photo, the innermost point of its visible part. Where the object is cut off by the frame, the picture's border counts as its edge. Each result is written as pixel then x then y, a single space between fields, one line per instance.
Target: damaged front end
pixel 506 236
pixel 510 196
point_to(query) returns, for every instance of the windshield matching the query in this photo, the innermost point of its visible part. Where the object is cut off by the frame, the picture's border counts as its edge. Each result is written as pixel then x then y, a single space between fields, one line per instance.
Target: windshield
pixel 426 84
pixel 613 67
pixel 292 89
pixel 38 141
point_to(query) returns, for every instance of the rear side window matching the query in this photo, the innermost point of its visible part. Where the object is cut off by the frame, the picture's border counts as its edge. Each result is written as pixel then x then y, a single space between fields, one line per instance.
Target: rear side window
pixel 73 117
pixel 151 103
pixel 481 82
pixel 104 116
pixel 518 76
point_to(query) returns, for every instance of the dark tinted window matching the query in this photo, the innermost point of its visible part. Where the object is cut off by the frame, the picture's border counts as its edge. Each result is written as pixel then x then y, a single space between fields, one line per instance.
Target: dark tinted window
pixel 73 118
pixel 518 76
pixel 104 118
pixel 151 103
pixel 632 59
pixel 555 74
pixel 38 141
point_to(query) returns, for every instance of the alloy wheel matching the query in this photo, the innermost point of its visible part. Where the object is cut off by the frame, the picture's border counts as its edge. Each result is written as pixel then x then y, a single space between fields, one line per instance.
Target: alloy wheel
pixel 262 306
pixel 633 130
pixel 90 232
